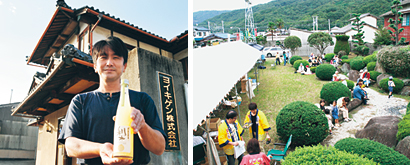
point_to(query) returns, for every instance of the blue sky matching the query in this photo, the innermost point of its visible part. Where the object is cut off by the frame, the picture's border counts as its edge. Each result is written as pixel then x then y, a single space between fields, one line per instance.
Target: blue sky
pixel 200 5
pixel 24 21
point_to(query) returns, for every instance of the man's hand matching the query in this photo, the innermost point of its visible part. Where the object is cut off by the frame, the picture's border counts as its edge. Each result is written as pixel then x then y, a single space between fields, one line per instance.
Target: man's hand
pixel 234 143
pixel 106 156
pixel 138 120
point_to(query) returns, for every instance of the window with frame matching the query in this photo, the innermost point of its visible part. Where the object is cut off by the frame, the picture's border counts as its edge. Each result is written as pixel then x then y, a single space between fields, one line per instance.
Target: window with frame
pixel 406 20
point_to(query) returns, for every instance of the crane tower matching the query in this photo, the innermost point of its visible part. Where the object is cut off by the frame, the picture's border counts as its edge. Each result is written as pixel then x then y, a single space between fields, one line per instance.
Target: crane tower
pixel 249 32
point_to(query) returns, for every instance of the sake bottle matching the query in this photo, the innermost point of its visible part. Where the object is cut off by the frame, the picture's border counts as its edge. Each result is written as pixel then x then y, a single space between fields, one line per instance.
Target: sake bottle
pixel 123 133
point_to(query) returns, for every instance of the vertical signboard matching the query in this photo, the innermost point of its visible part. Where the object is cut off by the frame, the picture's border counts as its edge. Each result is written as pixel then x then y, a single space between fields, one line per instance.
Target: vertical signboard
pixel 169 111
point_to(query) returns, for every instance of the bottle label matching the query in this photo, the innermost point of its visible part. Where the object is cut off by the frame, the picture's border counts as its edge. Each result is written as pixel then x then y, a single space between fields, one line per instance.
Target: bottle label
pixel 122 142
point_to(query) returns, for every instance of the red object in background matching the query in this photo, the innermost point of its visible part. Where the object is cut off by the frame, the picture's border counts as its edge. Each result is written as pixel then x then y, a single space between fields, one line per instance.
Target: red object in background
pixel 405 33
pixel 256 32
pixel 237 37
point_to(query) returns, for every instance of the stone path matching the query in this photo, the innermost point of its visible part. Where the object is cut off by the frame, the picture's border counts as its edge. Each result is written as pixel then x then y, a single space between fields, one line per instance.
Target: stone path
pixel 379 105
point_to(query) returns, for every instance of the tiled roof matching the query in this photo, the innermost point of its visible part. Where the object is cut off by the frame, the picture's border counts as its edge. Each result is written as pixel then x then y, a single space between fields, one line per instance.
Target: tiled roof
pixel 200 28
pixel 364 15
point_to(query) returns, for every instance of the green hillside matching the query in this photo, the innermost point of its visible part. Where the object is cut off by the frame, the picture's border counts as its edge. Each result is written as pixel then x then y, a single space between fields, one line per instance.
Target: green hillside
pixel 200 16
pixel 298 13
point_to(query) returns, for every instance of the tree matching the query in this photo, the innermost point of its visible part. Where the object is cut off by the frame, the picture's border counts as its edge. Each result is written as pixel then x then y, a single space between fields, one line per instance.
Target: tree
pixel 261 40
pixel 358 26
pixel 383 37
pixel 271 28
pixel 320 41
pixel 394 23
pixel 292 42
pixel 279 24
pixel 342 44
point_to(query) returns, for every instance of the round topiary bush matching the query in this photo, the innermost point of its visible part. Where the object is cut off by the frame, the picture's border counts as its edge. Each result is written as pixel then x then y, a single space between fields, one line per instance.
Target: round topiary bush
pixel 346 61
pixel 333 91
pixel 399 85
pixel 304 121
pixel 324 156
pixel 357 64
pixel 404 127
pixel 376 151
pixel 350 84
pixel 329 56
pixel 295 58
pixel 296 64
pixel 344 57
pixel 325 71
pixel 313 69
pixel 370 58
pixel 395 60
pixel 371 66
pixel 374 74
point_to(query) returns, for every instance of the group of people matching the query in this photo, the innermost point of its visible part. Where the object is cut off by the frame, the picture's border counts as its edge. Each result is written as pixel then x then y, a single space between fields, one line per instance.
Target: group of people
pixel 315 60
pixel 339 105
pixel 304 70
pixel 230 134
pixel 285 57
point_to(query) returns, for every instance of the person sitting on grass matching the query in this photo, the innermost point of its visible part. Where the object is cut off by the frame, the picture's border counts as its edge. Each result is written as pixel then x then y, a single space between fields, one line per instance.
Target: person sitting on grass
pixel 301 68
pixel 358 93
pixel 342 105
pixel 391 85
pixel 307 72
pixel 335 76
pixel 335 114
pixel 255 155
pixel 329 120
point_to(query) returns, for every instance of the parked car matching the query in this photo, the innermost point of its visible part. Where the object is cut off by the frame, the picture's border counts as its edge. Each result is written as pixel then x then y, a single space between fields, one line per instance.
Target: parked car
pixel 271 51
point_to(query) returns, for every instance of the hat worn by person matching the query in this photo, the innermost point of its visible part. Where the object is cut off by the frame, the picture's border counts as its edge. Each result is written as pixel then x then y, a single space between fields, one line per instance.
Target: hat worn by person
pixel 390 78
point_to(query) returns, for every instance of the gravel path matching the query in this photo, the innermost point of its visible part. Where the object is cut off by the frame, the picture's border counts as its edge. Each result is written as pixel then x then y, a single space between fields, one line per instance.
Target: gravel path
pixel 379 105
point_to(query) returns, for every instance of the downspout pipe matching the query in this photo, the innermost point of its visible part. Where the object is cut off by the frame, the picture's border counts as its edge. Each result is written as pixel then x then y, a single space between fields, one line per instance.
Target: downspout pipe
pixel 91 33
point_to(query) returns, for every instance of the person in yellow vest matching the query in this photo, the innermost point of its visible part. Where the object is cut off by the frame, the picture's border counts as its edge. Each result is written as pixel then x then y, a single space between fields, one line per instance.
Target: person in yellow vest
pixel 260 125
pixel 229 133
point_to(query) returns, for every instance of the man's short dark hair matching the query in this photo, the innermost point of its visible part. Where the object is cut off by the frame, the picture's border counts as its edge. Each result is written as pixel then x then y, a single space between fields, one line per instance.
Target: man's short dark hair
pixel 253 146
pixel 231 114
pixel 115 43
pixel 347 100
pixel 252 106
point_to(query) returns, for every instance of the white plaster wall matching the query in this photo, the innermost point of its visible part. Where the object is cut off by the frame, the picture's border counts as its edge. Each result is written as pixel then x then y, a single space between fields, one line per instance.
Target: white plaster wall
pixel 182 54
pixel 369 35
pixel 149 47
pixel 100 34
pixel 305 50
pixel 126 39
pixel 370 20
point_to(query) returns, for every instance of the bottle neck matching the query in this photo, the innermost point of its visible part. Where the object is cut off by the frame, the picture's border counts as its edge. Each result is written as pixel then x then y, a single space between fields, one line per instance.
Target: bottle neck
pixel 124 97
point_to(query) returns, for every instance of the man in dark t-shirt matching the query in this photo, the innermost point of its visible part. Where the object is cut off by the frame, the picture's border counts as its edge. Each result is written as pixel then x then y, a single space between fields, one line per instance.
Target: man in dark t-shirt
pixel 89 125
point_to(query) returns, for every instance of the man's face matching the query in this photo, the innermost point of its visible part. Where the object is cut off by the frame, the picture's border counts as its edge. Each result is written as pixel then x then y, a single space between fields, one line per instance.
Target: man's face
pixel 109 66
pixel 360 83
pixel 253 112
pixel 231 121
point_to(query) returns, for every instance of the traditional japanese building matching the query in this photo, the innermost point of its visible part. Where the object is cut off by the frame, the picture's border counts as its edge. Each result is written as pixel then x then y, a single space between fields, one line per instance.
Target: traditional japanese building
pixel 404 24
pixel 152 58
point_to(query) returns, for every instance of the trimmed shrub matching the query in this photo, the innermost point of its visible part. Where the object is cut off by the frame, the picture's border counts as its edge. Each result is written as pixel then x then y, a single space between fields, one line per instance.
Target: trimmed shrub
pixel 399 85
pixel 341 53
pixel 357 64
pixel 362 50
pixel 304 121
pixel 404 127
pixel 395 60
pixel 325 71
pixel 329 56
pixel 312 69
pixel 408 108
pixel 333 91
pixel 344 57
pixel 323 155
pixel 371 66
pixel 346 61
pixel 370 58
pixel 295 58
pixel 374 74
pixel 350 84
pixel 342 44
pixel 296 64
pixel 376 151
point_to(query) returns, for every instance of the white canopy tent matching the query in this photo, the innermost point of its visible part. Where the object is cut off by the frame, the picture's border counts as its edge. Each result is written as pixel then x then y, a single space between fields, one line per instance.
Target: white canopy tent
pixel 216 69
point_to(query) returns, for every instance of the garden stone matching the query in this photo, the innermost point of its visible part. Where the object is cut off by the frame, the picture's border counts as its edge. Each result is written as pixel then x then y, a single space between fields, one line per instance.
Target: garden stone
pixel 404 147
pixel 405 91
pixel 406 82
pixel 345 68
pixel 379 68
pixel 339 70
pixel 382 129
pixel 381 77
pixel 353 104
pixel 354 75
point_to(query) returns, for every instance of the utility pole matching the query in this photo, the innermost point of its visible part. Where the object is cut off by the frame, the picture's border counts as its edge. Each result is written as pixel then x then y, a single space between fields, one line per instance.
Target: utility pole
pixel 223 29
pixel 329 24
pixel 209 27
pixel 11 95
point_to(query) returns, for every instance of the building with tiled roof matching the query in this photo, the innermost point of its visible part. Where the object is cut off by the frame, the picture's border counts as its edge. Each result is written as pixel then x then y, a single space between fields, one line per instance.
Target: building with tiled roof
pixel 406 20
pixel 369 28
pixel 64 50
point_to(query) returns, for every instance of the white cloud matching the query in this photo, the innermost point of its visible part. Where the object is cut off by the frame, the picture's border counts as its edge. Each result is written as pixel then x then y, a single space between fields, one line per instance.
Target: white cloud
pixel 12 8
pixel 1 2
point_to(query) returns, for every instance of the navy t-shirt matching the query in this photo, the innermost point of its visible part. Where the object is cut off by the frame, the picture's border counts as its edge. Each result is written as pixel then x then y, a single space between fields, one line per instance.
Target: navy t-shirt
pixel 89 117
